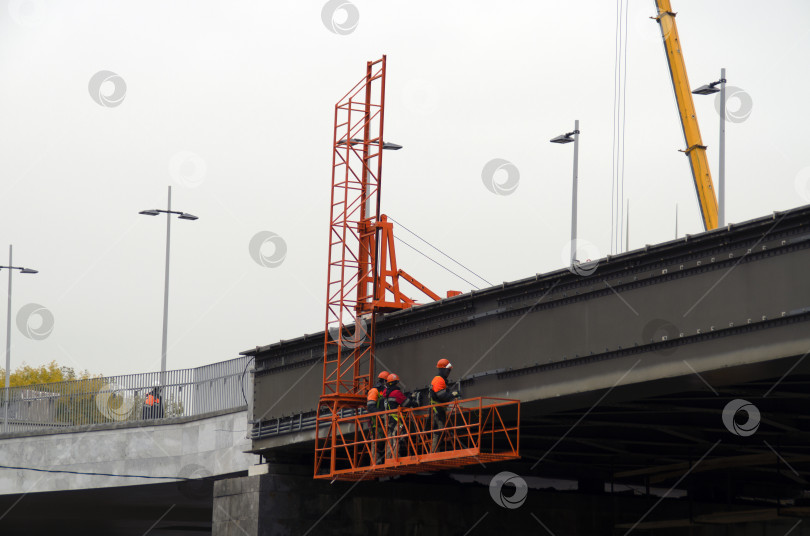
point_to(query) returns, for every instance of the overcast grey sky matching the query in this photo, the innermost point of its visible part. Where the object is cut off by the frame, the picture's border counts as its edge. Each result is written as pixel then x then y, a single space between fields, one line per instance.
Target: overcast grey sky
pixel 232 104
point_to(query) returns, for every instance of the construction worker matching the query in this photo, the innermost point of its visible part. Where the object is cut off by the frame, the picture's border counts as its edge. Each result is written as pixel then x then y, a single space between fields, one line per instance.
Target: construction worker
pixel 439 394
pixel 152 407
pixel 394 399
pixel 374 400
pixel 375 403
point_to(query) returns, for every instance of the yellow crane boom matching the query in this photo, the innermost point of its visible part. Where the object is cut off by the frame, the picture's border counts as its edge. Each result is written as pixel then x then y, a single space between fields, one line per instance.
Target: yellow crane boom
pixel 695 149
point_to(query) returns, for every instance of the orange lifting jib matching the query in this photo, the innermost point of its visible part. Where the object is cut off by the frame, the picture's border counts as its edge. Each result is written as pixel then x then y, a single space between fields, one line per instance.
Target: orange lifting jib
pixel 389 294
pixel 402 441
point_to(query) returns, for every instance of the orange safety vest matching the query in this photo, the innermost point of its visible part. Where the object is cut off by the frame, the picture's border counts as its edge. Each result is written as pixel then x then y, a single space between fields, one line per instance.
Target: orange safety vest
pixel 151 400
pixel 438 384
pixel 373 398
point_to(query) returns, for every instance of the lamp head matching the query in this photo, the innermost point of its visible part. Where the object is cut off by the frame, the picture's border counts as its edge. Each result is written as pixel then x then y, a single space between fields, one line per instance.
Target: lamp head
pixel 563 138
pixel 359 141
pixel 708 89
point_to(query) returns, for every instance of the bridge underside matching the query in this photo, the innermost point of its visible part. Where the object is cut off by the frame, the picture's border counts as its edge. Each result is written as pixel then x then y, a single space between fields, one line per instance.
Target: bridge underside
pixel 663 438
pixel 156 509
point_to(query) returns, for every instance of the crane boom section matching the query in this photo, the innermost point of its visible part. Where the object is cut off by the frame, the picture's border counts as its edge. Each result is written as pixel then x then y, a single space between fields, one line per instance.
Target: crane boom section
pixel 695 149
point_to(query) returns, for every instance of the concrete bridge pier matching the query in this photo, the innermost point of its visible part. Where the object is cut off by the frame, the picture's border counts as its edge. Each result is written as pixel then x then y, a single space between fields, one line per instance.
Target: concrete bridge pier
pixel 287 501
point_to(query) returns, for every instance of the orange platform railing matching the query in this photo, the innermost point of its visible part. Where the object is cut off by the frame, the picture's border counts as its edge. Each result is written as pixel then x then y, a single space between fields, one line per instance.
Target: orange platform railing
pixel 403 441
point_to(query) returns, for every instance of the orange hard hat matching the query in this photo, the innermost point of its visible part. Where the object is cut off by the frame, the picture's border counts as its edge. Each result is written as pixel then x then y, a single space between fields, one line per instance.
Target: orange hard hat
pixel 383 375
pixel 392 378
pixel 444 363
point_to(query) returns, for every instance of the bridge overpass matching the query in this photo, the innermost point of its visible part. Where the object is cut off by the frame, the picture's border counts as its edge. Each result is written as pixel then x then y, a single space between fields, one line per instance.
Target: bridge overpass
pixel 734 297
pixel 86 454
pixel 631 371
pixel 120 478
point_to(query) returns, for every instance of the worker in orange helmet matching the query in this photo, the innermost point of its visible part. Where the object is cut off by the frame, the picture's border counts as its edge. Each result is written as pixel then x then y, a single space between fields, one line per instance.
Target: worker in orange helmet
pixel 374 400
pixel 394 399
pixel 153 408
pixel 374 403
pixel 440 394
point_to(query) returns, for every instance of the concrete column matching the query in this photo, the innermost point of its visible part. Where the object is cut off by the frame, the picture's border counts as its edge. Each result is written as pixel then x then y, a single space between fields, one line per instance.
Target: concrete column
pixel 296 504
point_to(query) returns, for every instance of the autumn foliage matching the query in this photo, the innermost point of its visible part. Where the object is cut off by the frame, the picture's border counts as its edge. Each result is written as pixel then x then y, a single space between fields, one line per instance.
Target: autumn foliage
pixel 52 372
pixel 59 396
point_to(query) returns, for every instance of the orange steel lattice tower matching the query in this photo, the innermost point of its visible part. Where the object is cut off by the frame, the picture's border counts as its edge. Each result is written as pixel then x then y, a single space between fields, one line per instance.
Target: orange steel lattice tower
pixel 355 206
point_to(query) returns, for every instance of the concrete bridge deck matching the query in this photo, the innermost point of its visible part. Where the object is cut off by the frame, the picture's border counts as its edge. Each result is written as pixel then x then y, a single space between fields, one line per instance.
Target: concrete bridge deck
pixel 727 298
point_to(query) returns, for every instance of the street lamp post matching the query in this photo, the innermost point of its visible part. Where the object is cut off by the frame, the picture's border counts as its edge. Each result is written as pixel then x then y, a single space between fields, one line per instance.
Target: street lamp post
pixel 710 89
pixel 568 138
pixel 182 216
pixel 10 269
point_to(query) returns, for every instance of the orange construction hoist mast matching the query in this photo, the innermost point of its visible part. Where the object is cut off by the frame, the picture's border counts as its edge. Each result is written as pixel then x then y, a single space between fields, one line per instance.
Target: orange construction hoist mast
pixel 356 171
pixel 364 280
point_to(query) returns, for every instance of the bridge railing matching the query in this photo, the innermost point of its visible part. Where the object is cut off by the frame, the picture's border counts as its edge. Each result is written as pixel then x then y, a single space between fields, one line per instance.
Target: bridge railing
pixel 126 398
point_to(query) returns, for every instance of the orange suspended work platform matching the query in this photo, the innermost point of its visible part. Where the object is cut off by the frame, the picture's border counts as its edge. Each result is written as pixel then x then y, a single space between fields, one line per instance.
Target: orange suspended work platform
pixel 401 441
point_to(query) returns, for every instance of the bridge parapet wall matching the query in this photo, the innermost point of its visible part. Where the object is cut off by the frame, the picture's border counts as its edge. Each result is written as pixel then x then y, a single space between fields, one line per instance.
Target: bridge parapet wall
pixel 125 454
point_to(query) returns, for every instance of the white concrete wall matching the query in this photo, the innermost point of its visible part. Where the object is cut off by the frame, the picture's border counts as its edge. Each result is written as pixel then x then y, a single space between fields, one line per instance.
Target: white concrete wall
pixel 191 449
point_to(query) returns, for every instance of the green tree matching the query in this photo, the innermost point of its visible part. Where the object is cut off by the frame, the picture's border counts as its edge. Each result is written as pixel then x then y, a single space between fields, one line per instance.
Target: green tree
pixel 76 401
pixel 50 373
pixel 78 398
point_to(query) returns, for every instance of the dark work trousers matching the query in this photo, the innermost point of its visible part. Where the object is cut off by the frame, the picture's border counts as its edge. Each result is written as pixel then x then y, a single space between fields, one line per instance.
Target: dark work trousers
pixel 438 420
pixel 394 428
pixel 376 432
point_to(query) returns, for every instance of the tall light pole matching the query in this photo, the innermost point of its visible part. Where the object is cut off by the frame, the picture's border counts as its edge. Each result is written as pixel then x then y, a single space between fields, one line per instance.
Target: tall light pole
pixel 10 269
pixel 709 89
pixel 568 138
pixel 182 216
pixel 627 229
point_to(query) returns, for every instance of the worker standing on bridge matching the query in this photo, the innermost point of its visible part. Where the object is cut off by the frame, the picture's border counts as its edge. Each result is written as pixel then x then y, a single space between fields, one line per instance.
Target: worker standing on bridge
pixel 152 407
pixel 376 402
pixel 439 394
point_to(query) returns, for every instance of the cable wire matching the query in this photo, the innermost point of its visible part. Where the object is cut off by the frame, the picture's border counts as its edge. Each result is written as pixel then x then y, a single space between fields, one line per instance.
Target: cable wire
pixel 613 144
pixel 440 251
pixel 624 111
pixel 243 378
pixel 437 262
pixel 94 474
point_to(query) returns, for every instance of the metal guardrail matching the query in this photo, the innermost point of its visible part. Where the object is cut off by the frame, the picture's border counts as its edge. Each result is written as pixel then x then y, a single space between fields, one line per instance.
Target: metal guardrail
pixel 293 423
pixel 182 393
